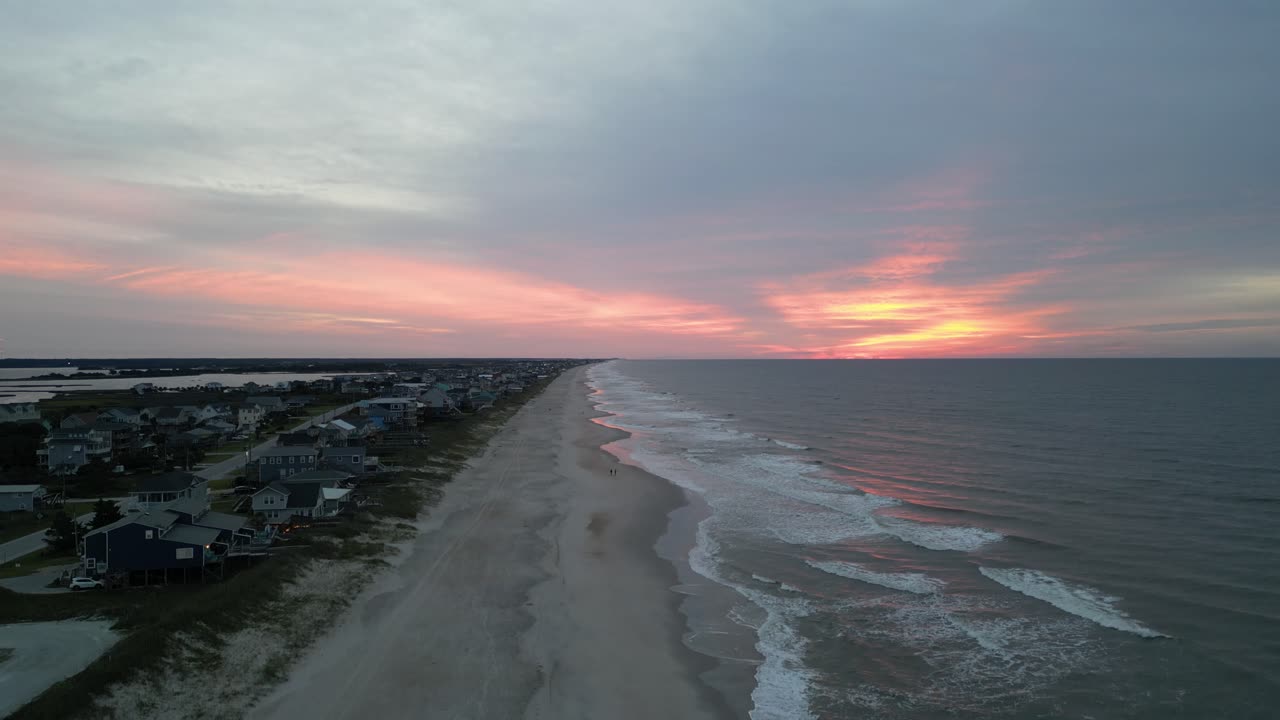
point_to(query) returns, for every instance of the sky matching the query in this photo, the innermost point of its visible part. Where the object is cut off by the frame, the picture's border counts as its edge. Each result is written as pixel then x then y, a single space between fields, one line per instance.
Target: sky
pixel 759 179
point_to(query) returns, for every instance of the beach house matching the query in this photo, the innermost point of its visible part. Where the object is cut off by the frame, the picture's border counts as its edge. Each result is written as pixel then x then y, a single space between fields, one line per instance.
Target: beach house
pixel 278 463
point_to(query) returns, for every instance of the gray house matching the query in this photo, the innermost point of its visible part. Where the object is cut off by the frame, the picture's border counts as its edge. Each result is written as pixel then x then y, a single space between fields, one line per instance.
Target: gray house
pixel 20 497
pixel 66 450
pixel 346 459
pixel 278 463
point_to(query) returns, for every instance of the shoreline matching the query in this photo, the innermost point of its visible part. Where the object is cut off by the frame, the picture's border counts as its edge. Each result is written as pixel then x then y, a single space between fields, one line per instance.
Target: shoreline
pixel 659 527
pixel 533 589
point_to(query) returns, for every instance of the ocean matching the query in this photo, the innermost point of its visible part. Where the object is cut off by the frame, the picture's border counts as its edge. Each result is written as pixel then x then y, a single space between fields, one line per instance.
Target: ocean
pixel 964 539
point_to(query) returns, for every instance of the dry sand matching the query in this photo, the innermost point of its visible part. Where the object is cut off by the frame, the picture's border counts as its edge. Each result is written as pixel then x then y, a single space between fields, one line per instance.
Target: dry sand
pixel 533 591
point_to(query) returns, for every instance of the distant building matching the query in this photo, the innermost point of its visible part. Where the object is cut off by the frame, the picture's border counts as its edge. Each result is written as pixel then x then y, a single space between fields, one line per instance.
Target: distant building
pixel 19 413
pixel 268 403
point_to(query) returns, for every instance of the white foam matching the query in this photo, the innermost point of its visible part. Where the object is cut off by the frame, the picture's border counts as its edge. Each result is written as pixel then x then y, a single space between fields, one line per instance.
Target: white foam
pixel 918 583
pixel 1079 600
pixel 783 683
pixel 937 537
pixel 788 445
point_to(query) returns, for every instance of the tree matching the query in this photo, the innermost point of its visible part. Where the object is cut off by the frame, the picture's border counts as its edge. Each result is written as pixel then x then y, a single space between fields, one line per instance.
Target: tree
pixel 105 512
pixel 62 536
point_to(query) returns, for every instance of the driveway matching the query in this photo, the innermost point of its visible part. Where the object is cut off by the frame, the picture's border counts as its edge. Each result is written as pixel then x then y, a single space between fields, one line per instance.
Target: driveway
pixel 44 653
pixel 37 583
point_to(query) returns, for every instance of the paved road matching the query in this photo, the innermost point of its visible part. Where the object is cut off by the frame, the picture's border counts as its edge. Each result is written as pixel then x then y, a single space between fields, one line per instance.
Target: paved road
pixel 235 462
pixel 28 544
pixel 46 652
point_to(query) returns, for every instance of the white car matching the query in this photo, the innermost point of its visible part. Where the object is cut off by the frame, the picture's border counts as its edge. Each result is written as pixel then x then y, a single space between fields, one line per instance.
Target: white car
pixel 83 583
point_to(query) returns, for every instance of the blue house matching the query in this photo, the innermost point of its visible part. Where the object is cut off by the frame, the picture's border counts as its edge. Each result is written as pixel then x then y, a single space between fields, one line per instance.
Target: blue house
pixel 184 535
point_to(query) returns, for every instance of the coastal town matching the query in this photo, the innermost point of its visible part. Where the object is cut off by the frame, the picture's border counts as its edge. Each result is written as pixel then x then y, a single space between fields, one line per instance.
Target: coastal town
pixel 113 499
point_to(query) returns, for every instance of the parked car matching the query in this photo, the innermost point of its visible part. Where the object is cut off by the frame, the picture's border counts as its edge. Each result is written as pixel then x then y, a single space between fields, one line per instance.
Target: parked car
pixel 84 583
pixel 244 490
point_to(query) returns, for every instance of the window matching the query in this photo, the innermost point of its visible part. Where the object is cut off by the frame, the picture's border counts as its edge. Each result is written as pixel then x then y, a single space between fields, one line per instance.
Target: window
pixel 355 459
pixel 183 553
pixel 149 534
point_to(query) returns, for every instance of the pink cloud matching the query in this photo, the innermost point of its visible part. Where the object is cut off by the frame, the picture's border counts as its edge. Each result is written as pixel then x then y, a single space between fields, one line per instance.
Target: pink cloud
pixel 24 260
pixel 422 295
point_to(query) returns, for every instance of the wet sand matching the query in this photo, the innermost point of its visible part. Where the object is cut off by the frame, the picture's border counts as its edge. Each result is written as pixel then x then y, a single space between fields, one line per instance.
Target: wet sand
pixel 533 591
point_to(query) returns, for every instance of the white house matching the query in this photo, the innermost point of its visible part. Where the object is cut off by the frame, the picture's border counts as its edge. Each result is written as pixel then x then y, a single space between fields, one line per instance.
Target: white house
pixel 281 502
pixel 248 416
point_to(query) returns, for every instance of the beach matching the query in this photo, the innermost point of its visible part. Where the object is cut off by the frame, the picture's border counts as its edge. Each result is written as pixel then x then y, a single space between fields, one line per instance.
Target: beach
pixel 533 590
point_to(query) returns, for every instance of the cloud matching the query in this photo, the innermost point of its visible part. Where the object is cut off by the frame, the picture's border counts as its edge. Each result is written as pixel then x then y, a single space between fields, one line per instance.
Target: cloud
pixel 660 179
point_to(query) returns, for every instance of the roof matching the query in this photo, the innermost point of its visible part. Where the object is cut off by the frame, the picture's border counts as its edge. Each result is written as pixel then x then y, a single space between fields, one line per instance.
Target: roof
pixel 264 400
pixel 159 521
pixel 342 425
pixel 303 495
pixel 318 476
pixel 274 487
pixel 335 493
pixel 221 521
pixel 192 534
pixel 296 439
pixel 342 450
pixel 188 506
pixel 170 481
pixel 287 450
pixel 9 489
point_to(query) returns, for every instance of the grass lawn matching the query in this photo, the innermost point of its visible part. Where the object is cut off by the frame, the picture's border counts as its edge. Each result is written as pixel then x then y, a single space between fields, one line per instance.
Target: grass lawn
pixel 225 504
pixel 32 563
pixel 16 524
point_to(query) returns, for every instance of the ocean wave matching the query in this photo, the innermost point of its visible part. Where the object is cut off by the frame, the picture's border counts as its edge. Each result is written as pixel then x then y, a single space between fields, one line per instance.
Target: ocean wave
pixel 1079 600
pixel 789 445
pixel 937 537
pixel 917 583
pixel 783 682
